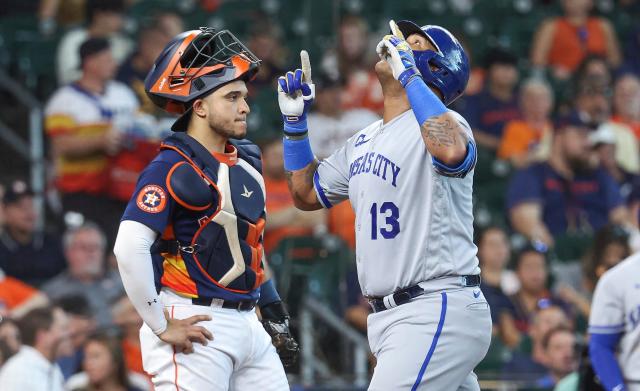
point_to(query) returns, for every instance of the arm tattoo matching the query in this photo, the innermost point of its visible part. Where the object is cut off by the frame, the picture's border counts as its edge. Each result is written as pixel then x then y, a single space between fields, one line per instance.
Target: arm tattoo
pixel 441 131
pixel 306 178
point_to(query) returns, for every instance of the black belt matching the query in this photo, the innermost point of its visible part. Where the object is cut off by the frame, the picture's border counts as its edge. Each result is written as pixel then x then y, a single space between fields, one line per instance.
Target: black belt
pixel 405 295
pixel 243 305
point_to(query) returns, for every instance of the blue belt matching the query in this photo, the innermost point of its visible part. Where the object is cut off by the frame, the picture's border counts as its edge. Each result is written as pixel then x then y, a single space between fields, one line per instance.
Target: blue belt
pixel 405 295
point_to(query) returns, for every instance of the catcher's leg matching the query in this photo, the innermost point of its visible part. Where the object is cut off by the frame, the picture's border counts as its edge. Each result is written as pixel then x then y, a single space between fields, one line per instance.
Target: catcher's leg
pixel 263 369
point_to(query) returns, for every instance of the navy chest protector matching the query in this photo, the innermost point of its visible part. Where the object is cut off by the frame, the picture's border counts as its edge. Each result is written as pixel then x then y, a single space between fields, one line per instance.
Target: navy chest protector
pixel 227 247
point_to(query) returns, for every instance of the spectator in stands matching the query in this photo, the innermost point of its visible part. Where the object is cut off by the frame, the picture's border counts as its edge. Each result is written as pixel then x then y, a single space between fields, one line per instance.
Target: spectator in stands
pixel 104 368
pixel 81 325
pixel 105 20
pixel 610 246
pixel 532 271
pixel 489 110
pixel 527 362
pixel 564 193
pixel 43 331
pixel 560 358
pixel 133 71
pixel 86 122
pixel 626 102
pixel 84 248
pixel 528 139
pixel 10 336
pixel 285 220
pixel 493 254
pixel 18 298
pixel 126 318
pixel 353 59
pixel 265 42
pixel 332 125
pixel 561 43
pixel 170 22
pixel 593 104
pixel 632 51
pixel 605 146
pixel 26 254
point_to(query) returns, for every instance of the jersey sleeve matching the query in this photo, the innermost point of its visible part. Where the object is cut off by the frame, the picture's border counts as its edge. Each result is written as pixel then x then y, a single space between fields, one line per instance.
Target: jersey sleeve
pixel 607 311
pixel 461 169
pixel 331 179
pixel 151 203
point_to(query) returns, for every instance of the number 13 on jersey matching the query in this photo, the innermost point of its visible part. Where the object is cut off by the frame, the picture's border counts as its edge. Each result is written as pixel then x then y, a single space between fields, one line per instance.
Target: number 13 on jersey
pixel 389 214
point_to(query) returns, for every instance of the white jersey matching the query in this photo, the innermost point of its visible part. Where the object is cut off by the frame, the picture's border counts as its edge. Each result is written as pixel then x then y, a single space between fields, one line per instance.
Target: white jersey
pixel 412 224
pixel 616 309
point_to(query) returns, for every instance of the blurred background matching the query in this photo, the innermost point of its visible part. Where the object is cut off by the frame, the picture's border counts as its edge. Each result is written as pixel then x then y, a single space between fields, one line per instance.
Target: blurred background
pixel 553 100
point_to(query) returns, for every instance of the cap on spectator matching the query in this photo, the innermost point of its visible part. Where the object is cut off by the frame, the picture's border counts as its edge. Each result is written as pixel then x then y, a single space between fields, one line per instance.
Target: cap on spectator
pixel 574 119
pixel 325 80
pixel 603 135
pixel 500 55
pixel 15 191
pixel 92 46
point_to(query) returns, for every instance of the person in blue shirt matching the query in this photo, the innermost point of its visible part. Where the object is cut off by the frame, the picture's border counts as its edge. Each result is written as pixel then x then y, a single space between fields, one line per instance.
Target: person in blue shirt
pixel 566 193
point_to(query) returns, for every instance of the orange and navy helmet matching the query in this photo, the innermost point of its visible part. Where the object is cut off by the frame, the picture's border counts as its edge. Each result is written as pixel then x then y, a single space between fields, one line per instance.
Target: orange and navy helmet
pixel 193 65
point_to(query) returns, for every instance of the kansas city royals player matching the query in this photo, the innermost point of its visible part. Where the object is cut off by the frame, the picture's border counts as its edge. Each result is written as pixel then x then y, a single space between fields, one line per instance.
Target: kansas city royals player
pixel 409 179
pixel 198 215
pixel 614 326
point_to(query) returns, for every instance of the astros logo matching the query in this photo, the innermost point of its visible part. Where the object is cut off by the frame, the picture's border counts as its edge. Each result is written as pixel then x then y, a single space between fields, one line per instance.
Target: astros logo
pixel 151 199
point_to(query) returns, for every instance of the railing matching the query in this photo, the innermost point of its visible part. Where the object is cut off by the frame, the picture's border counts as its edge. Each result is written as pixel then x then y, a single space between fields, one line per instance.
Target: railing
pixel 311 309
pixel 32 151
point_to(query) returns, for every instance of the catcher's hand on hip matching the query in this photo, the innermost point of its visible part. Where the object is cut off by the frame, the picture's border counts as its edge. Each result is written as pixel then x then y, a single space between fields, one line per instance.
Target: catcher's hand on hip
pixel 296 92
pixel 182 333
pixel 398 54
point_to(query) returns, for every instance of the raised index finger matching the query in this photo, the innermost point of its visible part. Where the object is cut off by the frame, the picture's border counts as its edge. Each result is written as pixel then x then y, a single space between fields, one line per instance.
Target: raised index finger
pixel 306 66
pixel 395 30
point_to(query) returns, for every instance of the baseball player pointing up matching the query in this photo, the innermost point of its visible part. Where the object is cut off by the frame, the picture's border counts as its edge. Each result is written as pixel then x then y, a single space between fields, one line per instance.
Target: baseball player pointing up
pixel 198 215
pixel 409 179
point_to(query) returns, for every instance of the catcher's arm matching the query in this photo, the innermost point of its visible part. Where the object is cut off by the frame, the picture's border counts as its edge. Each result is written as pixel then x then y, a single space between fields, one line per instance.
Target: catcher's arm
pixel 275 320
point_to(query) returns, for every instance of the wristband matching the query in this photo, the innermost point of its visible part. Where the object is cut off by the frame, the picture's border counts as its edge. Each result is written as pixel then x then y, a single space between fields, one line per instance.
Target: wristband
pixel 294 124
pixel 297 153
pixel 424 102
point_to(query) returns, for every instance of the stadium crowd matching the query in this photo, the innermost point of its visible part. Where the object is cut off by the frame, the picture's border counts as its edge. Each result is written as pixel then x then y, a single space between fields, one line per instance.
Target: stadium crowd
pixel 556 192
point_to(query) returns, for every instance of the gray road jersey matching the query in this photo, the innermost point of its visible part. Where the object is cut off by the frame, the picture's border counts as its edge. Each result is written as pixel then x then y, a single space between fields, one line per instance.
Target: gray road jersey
pixel 616 309
pixel 412 224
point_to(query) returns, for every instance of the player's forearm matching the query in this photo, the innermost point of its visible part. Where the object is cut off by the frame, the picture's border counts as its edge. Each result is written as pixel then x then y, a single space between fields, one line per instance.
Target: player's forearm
pixel 602 352
pixel 442 133
pixel 74 146
pixel 133 252
pixel 301 187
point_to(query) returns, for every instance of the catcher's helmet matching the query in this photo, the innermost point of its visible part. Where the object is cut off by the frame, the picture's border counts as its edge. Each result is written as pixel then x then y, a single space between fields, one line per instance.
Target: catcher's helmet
pixel 194 64
pixel 450 64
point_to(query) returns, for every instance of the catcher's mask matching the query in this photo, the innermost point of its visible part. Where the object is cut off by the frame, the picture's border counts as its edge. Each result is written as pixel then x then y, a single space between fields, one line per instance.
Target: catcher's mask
pixel 193 65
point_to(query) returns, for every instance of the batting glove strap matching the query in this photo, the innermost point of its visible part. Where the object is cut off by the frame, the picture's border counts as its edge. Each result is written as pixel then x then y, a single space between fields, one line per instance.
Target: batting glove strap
pixel 409 75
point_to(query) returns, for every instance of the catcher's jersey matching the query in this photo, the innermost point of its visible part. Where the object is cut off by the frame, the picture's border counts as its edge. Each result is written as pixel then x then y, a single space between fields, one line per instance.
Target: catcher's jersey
pixel 412 223
pixel 616 310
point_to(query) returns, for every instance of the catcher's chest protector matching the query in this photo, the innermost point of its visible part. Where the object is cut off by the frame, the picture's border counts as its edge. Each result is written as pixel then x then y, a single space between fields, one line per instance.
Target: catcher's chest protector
pixel 228 200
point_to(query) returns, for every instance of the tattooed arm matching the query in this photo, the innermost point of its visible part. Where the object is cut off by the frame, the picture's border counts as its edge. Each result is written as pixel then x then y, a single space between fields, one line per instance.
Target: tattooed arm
pixel 445 138
pixel 301 187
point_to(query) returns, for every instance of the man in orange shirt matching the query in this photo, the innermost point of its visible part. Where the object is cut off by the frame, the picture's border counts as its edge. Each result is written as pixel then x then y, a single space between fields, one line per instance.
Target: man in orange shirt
pixel 529 138
pixel 18 298
pixel 284 218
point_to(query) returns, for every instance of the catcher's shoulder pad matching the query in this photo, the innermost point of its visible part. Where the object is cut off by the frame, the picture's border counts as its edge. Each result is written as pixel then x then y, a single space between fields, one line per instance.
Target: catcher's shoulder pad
pixel 189 188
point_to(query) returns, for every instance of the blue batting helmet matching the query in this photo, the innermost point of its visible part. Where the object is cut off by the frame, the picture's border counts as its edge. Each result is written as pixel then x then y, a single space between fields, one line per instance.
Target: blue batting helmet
pixel 446 69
